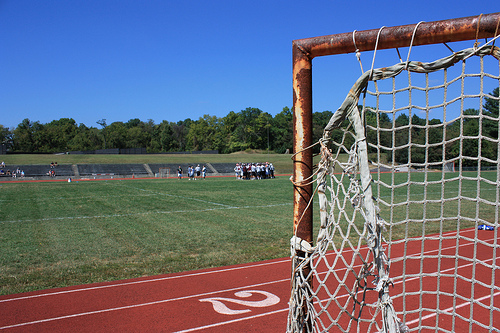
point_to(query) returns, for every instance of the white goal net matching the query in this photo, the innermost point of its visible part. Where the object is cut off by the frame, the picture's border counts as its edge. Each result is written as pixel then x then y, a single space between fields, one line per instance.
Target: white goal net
pixel 408 190
pixel 164 172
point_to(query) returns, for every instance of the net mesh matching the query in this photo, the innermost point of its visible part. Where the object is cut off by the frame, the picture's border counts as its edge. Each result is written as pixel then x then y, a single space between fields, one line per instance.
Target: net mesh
pixel 164 172
pixel 405 183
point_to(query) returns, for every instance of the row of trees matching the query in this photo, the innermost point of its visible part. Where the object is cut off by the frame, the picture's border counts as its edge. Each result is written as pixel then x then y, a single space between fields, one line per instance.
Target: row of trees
pixel 248 129
pixel 254 129
pixel 420 140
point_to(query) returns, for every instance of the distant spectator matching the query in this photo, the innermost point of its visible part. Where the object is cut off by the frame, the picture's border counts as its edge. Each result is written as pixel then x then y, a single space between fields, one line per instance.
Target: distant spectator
pixel 2 165
pixel 179 172
pixel 190 172
pixel 237 171
pixel 198 171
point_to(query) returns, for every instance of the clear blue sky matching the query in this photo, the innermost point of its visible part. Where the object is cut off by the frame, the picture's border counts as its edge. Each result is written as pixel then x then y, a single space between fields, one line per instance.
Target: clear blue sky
pixel 172 60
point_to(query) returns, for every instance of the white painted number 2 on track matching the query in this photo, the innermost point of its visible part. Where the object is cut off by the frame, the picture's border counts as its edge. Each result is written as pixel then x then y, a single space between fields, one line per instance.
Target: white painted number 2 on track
pixel 219 303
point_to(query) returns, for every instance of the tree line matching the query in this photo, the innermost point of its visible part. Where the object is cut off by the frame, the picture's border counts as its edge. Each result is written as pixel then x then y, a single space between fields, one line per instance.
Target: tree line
pixel 238 131
pixel 254 129
pixel 429 140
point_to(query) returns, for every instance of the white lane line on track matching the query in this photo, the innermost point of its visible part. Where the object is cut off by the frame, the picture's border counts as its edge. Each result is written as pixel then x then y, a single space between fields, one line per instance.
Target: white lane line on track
pixel 190 296
pixel 324 300
pixel 138 305
pixel 232 321
pixel 186 297
pixel 156 279
pixel 450 309
pixel 115 285
pixel 220 323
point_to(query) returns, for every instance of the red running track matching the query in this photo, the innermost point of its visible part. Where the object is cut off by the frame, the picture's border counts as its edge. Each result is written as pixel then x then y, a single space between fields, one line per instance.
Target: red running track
pixel 243 298
pixel 427 287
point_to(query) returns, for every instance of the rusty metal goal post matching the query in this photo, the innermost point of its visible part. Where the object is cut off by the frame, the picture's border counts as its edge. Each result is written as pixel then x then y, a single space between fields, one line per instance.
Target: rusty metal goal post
pixel 407 186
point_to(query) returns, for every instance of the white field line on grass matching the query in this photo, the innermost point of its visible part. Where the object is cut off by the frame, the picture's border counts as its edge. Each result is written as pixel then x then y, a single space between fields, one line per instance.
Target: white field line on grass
pixel 52 199
pixel 220 206
pixel 192 296
pixel 143 213
pixel 171 195
pixel 153 193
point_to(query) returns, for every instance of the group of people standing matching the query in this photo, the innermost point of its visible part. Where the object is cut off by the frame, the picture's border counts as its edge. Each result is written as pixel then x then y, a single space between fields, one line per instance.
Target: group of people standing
pixel 254 170
pixel 193 173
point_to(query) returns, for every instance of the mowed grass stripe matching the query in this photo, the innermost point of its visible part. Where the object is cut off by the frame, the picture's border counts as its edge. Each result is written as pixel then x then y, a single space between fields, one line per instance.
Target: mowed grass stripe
pixel 171 195
pixel 147 213
pixel 108 230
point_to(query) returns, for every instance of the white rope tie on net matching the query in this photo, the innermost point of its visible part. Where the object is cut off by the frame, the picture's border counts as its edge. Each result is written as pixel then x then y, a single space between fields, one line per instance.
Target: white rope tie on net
pixel 476 43
pixel 358 54
pixel 411 43
pixel 491 41
pixel 496 31
pixel 375 51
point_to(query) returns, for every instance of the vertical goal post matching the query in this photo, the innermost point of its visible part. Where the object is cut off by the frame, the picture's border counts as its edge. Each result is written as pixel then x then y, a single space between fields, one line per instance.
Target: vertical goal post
pixel 305 50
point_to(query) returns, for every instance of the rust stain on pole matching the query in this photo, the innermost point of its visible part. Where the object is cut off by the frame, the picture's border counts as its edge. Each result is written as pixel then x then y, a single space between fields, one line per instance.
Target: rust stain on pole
pixel 302 130
pixel 303 161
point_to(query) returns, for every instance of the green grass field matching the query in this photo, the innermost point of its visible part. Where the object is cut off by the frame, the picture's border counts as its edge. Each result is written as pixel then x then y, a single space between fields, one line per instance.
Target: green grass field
pixel 58 234
pixel 55 234
pixel 424 204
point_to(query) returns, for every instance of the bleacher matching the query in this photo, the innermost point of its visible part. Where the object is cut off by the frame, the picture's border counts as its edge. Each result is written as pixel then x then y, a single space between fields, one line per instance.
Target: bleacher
pixel 173 168
pixel 111 170
pixel 155 168
pixel 38 170
pixel 87 170
pixel 224 168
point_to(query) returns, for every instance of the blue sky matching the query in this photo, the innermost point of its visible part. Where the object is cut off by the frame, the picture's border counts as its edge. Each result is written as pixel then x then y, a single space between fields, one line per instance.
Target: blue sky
pixel 172 60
